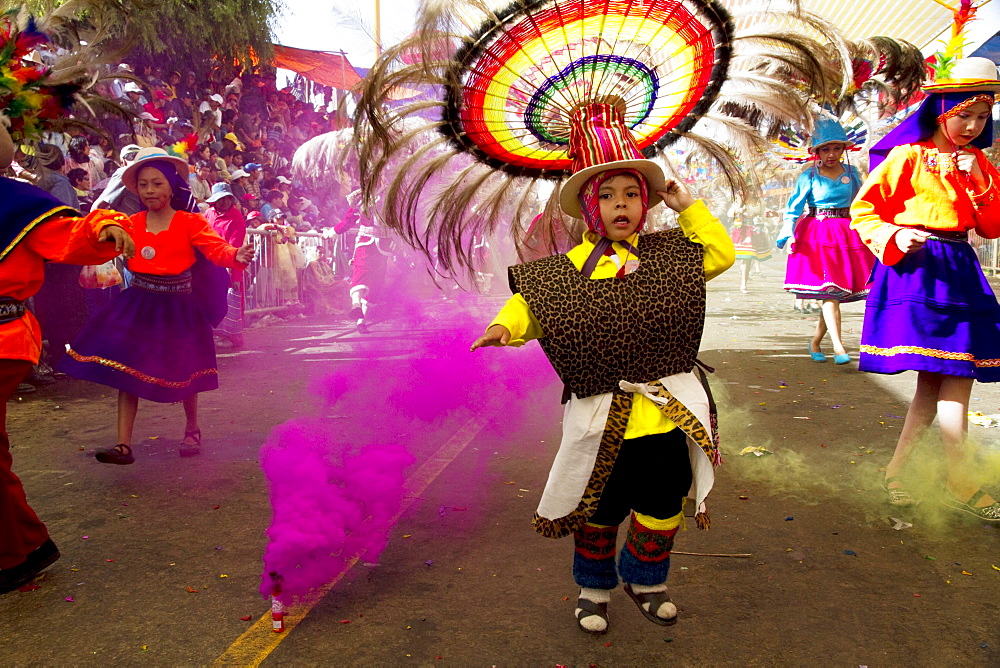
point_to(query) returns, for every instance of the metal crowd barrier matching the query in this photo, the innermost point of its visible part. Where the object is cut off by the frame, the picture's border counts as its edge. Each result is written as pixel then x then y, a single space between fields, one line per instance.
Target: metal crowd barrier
pixel 988 251
pixel 262 293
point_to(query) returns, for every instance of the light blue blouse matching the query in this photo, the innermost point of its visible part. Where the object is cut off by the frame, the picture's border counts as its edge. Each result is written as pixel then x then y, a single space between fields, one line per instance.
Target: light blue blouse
pixel 815 190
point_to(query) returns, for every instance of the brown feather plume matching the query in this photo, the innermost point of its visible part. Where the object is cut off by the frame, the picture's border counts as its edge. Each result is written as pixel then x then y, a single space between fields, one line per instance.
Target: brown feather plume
pixel 440 198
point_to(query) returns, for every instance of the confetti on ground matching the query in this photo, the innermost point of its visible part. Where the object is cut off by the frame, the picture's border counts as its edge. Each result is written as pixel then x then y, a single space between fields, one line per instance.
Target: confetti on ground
pixel 899 524
pixel 850 553
pixel 966 573
pixel 345 621
pixel 995 567
pixel 246 619
pixel 192 590
pixel 758 450
pixel 69 599
pixel 983 420
pixel 31 586
pixel 930 558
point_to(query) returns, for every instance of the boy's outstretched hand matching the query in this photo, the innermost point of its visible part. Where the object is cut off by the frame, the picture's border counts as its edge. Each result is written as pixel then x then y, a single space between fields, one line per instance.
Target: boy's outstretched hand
pixel 497 335
pixel 676 196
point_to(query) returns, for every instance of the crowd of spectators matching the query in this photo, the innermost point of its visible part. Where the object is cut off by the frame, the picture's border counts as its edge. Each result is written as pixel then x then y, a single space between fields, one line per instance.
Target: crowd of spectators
pixel 241 131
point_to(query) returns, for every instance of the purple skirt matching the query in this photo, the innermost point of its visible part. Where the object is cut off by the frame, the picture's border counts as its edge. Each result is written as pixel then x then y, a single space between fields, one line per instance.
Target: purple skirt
pixel 933 311
pixel 828 261
pixel 154 342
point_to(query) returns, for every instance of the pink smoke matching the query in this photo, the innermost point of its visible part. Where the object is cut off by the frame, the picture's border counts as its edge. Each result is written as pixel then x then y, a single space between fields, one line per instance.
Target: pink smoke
pixel 336 485
pixel 330 503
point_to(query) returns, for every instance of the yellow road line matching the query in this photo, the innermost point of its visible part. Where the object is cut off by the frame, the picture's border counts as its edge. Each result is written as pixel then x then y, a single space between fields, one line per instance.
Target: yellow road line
pixel 257 642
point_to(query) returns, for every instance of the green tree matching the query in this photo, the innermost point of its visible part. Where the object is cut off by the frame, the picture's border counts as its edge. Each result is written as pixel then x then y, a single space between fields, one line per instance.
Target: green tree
pixel 176 31
pixel 173 33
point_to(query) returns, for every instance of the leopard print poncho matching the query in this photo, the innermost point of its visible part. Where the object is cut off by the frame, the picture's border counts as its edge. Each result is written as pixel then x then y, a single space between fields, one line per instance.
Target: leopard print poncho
pixel 638 328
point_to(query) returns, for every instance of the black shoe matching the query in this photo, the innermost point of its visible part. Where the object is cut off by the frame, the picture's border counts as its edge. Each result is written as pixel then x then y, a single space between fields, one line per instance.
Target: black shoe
pixel 39 559
pixel 38 379
pixel 120 454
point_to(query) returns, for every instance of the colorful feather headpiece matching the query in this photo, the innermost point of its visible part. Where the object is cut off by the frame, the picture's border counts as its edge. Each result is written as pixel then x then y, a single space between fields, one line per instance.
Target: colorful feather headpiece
pixel 955 73
pixel 46 66
pixel 490 139
pixel 26 96
pixel 953 50
pixel 799 147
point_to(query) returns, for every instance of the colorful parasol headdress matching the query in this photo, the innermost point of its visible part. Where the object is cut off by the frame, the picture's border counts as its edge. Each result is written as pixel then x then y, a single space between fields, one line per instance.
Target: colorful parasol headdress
pixel 800 147
pixel 517 78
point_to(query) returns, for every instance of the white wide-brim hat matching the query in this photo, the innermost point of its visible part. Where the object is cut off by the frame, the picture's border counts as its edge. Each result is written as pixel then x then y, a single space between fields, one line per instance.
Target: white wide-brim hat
pixel 569 196
pixel 147 155
pixel 968 75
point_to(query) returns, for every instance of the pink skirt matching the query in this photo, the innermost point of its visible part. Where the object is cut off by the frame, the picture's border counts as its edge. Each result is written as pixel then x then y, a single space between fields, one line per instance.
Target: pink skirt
pixel 828 261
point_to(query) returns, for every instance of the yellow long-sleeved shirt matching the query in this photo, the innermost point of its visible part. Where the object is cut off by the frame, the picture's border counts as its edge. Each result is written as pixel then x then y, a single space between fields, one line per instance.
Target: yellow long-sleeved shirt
pixel 700 226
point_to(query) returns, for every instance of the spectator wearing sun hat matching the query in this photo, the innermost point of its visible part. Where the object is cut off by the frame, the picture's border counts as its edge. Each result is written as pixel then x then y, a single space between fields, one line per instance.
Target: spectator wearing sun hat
pixel 211 115
pixel 234 140
pixel 116 196
pixel 251 204
pixel 132 97
pixel 238 179
pixel 253 183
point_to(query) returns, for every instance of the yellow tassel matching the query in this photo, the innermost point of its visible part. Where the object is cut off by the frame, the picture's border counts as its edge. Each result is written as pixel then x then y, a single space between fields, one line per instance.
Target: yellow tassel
pixel 702 520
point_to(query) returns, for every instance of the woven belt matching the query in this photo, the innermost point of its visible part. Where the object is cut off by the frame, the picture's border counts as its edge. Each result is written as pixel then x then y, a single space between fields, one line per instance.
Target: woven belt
pixel 843 212
pixel 11 309
pixel 179 284
pixel 950 237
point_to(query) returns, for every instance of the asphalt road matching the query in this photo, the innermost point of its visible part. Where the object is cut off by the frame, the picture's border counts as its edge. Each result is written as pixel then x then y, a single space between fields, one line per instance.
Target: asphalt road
pixel 162 560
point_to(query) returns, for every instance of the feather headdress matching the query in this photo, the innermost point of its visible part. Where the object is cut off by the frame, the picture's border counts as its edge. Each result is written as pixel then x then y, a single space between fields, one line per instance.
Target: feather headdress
pixel 49 63
pixel 488 140
pixel 944 60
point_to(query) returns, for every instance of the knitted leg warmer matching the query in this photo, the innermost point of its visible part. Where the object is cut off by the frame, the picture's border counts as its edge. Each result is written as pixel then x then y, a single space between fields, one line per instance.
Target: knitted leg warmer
pixel 645 559
pixel 594 557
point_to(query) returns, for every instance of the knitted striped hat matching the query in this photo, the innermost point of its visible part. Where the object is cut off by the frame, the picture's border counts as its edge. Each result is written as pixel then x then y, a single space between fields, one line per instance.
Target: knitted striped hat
pixel 599 140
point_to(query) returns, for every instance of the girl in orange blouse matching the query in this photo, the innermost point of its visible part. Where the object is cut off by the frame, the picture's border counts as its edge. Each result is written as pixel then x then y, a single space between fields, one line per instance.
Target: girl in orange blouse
pixel 930 308
pixel 155 340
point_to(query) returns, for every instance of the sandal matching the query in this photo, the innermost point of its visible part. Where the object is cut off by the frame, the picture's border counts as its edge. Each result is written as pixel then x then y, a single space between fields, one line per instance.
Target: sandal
pixel 590 609
pixel 186 450
pixel 898 496
pixel 655 600
pixel 990 513
pixel 120 454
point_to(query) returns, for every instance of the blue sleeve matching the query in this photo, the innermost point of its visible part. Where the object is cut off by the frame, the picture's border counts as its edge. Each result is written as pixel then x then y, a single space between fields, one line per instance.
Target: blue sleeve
pixel 796 205
pixel 799 198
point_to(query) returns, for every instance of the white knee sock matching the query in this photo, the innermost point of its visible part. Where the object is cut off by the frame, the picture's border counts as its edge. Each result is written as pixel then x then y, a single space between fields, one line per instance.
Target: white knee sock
pixel 593 622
